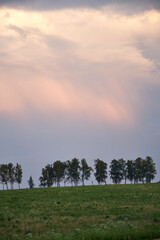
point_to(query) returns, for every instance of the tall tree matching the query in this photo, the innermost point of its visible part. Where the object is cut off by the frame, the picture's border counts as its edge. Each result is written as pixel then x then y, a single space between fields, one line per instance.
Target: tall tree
pixel 31 182
pixel 59 172
pixel 150 169
pixel 11 174
pixel 18 174
pixel 130 170
pixel 138 170
pixel 73 171
pixel 47 177
pixel 4 175
pixel 123 168
pixel 100 171
pixel 85 170
pixel 116 172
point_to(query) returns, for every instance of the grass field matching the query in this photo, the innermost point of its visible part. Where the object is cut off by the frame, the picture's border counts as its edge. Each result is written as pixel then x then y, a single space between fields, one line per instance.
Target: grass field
pixel 86 212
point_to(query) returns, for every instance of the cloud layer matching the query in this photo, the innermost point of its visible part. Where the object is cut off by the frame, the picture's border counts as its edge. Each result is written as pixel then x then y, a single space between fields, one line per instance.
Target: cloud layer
pixel 126 6
pixel 77 61
pixel 82 76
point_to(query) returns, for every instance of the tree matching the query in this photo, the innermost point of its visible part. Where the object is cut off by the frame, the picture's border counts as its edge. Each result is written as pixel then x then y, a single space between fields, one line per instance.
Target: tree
pixel 150 169
pixel 18 174
pixel 58 172
pixel 116 172
pixel 73 171
pixel 11 174
pixel 46 179
pixel 123 169
pixel 4 175
pixel 130 170
pixel 101 171
pixel 139 170
pixel 85 170
pixel 30 182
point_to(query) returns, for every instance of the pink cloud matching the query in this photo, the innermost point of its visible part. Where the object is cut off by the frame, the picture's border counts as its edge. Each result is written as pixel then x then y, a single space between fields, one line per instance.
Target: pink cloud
pixel 76 62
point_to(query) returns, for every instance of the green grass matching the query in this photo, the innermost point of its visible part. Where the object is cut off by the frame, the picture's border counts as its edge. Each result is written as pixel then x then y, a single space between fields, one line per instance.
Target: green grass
pixel 114 212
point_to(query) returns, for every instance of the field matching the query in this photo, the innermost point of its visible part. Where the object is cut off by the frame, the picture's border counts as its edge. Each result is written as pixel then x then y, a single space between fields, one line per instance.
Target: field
pixel 86 212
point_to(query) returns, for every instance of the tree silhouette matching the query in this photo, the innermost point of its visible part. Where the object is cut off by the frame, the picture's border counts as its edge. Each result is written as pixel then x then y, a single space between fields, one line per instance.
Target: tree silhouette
pixel 46 179
pixel 4 175
pixel 11 174
pixel 123 169
pixel 150 169
pixel 73 171
pixel 101 171
pixel 116 172
pixel 58 172
pixel 85 170
pixel 18 174
pixel 31 183
pixel 130 170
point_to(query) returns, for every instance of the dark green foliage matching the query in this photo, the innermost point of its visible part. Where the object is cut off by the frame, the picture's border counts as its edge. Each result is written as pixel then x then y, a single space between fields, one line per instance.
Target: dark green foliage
pixel 130 170
pixel 30 182
pixel 4 175
pixel 150 169
pixel 144 170
pixel 101 171
pixel 47 177
pixel 18 174
pixel 11 174
pixel 73 171
pixel 123 168
pixel 85 171
pixel 59 172
pixel 116 171
pixel 139 170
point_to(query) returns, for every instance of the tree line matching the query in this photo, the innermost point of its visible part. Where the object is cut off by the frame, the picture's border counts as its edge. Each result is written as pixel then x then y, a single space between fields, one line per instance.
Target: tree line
pixel 77 171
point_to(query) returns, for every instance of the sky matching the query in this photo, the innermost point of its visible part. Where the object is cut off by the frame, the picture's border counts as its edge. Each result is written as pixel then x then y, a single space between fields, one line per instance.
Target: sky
pixel 79 79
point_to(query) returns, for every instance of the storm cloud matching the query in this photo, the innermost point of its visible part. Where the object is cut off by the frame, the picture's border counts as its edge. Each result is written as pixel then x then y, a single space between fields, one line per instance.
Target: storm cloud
pixel 121 5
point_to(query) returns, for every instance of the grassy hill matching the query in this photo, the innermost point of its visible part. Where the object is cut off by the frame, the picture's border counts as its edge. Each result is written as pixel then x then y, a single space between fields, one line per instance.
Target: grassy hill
pixel 86 212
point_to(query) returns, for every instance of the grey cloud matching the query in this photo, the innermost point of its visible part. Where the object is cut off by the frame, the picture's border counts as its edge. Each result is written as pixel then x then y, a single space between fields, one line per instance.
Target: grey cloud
pixel 18 30
pixel 58 43
pixel 122 5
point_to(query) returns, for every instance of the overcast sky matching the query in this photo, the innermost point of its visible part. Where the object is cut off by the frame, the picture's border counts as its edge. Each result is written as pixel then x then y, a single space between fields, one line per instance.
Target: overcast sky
pixel 79 79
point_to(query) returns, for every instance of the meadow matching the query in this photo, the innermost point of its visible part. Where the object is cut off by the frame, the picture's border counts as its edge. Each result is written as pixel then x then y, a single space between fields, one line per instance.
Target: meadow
pixel 116 212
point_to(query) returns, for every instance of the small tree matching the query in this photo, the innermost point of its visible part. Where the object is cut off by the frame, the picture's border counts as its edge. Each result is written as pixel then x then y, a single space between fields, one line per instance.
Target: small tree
pixel 101 171
pixel 18 174
pixel 31 183
pixel 85 170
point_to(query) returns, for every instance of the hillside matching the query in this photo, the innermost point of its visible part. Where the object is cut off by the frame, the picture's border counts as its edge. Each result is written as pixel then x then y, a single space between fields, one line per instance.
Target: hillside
pixel 84 212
